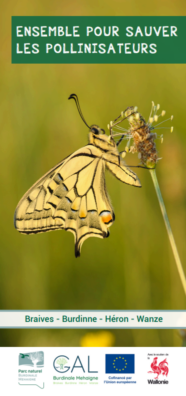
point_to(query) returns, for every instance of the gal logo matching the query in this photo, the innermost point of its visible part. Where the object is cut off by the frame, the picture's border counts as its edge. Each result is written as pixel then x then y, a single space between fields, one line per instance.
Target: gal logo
pixel 61 364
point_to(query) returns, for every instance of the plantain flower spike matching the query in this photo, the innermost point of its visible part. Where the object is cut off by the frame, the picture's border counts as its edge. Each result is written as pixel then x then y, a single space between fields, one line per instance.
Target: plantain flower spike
pixel 143 137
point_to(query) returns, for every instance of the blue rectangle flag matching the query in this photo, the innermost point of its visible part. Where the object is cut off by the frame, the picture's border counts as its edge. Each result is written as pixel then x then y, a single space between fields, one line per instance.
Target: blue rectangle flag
pixel 120 364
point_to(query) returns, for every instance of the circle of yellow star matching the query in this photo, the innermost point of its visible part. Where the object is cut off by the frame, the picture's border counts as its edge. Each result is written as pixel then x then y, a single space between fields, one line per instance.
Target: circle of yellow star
pixel 115 366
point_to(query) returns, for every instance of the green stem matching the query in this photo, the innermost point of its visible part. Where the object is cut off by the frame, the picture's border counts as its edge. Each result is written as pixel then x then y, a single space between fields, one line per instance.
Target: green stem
pixel 168 227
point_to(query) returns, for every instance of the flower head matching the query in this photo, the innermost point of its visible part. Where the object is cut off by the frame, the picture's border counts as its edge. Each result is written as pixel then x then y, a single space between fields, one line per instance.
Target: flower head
pixel 144 139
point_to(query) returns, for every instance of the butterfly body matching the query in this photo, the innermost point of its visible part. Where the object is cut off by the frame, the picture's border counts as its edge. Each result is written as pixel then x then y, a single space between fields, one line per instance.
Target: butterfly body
pixel 73 195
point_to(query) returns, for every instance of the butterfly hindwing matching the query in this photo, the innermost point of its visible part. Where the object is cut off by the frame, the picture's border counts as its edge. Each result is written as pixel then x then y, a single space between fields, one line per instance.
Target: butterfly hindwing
pixel 72 196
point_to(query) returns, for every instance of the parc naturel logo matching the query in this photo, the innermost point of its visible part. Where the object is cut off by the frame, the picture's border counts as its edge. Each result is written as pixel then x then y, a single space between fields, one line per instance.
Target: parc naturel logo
pixel 30 371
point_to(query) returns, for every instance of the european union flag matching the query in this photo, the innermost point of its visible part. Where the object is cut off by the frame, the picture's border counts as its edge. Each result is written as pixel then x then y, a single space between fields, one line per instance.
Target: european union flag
pixel 120 364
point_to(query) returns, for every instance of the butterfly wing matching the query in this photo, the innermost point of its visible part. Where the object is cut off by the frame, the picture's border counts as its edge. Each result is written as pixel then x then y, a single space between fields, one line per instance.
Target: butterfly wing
pixel 72 196
pixel 123 173
pixel 119 168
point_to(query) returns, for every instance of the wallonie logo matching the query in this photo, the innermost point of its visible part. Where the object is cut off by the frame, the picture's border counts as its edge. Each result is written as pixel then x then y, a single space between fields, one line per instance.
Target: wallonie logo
pixel 159 369
pixel 120 364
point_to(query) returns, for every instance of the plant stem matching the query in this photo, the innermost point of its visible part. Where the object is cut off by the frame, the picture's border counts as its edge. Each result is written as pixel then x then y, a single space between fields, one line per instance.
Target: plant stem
pixel 168 227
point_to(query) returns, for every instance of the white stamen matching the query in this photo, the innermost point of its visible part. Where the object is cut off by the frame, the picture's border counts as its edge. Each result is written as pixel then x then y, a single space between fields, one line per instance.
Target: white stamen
pixel 162 122
pixel 123 154
pixel 158 106
pixel 108 126
pixel 155 118
pixel 172 117
pixel 171 129
pixel 151 119
pixel 135 109
pixel 131 118
pixel 137 116
pixel 162 128
pixel 111 123
pixel 163 113
pixel 120 128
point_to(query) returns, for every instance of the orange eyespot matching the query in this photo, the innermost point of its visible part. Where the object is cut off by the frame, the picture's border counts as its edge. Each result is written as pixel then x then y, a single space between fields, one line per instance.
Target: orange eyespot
pixel 106 217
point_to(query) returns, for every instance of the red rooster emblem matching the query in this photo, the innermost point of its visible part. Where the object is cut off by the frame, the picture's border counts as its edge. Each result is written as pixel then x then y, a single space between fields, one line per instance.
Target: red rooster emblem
pixel 161 368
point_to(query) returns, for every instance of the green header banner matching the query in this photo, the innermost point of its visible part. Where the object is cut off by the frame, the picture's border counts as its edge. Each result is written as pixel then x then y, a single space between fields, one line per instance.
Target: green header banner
pixel 98 39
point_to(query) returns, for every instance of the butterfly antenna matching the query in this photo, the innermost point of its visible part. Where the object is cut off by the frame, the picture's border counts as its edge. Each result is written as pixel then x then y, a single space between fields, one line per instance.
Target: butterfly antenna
pixel 74 96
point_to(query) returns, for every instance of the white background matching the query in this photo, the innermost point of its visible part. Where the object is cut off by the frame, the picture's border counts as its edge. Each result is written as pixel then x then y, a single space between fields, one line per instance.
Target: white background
pixel 176 377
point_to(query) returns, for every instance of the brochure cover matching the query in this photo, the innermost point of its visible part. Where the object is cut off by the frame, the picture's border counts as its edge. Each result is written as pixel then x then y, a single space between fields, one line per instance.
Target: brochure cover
pixel 92 111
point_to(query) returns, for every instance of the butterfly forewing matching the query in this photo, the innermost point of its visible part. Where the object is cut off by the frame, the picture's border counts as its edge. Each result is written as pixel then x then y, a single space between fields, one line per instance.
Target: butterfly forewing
pixel 123 173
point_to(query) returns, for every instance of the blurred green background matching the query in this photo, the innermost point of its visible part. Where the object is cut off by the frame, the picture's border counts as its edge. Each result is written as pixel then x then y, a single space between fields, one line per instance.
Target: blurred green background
pixel 134 268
